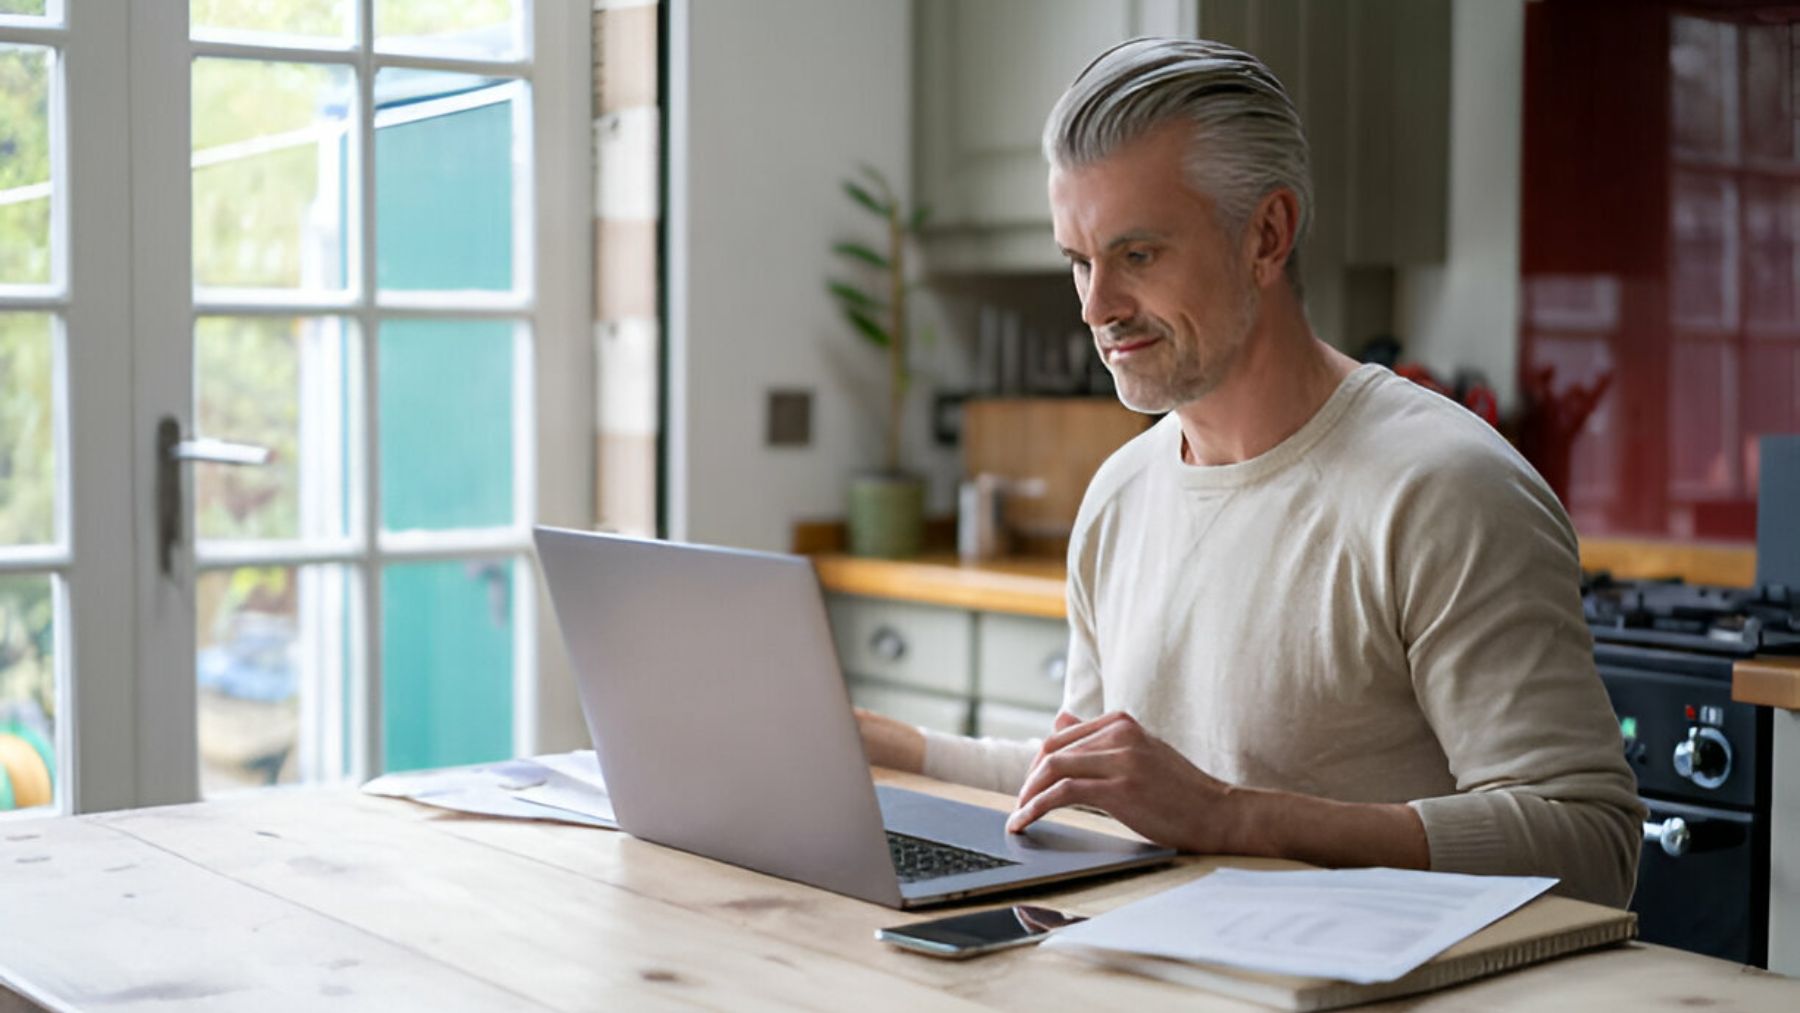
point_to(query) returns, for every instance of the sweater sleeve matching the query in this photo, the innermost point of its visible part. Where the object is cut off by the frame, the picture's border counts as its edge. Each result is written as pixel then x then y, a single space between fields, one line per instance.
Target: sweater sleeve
pixel 1002 764
pixel 1486 581
pixel 995 764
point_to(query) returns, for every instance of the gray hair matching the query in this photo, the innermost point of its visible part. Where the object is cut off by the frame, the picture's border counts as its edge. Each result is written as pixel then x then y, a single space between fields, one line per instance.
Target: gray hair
pixel 1247 136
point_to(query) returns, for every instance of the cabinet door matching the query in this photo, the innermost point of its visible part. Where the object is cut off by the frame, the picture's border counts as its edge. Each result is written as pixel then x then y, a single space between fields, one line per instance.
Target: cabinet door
pixel 1022 660
pixel 1001 721
pixel 988 73
pixel 938 713
pixel 903 644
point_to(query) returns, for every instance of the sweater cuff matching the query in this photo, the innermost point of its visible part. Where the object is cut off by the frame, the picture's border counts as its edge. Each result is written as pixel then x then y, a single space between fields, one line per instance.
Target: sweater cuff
pixel 1463 834
pixel 994 764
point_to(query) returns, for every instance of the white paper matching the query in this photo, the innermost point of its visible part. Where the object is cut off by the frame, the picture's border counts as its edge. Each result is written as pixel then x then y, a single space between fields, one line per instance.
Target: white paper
pixel 517 789
pixel 1357 925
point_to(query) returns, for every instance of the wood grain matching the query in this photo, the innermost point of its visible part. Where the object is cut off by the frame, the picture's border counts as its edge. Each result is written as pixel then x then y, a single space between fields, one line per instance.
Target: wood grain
pixel 1062 441
pixel 1032 587
pixel 291 899
pixel 1726 564
pixel 1767 681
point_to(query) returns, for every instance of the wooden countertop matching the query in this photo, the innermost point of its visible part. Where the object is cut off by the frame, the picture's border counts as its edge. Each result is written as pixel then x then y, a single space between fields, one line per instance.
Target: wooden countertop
pixel 312 898
pixel 1032 587
pixel 1768 681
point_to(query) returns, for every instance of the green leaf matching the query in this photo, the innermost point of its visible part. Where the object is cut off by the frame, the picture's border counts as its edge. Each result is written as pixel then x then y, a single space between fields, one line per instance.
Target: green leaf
pixel 867 326
pixel 865 198
pixel 919 215
pixel 880 181
pixel 857 251
pixel 853 296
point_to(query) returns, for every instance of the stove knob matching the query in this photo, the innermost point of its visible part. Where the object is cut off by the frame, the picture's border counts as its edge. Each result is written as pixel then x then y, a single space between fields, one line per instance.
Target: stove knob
pixel 1671 833
pixel 1704 757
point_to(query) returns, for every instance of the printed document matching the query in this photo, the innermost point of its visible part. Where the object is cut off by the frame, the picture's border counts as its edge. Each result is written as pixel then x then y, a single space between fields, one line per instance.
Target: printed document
pixel 566 787
pixel 1357 925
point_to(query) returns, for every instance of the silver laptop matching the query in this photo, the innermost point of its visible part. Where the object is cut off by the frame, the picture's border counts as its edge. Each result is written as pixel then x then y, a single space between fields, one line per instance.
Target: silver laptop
pixel 712 691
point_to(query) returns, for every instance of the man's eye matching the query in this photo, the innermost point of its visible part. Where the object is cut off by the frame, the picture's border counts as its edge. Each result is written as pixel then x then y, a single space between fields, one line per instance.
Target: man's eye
pixel 1139 258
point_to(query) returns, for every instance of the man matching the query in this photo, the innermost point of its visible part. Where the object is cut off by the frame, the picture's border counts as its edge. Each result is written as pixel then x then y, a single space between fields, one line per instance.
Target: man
pixel 1317 612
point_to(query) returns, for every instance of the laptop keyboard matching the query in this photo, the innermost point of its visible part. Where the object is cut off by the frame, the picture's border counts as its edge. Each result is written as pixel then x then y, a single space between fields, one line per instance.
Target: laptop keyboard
pixel 916 859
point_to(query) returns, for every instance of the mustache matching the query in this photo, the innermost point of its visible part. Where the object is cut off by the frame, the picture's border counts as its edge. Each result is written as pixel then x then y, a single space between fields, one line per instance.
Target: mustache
pixel 1129 331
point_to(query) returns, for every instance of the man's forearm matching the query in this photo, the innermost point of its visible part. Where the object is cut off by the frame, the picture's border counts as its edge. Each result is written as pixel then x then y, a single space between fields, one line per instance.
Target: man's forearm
pixel 1325 832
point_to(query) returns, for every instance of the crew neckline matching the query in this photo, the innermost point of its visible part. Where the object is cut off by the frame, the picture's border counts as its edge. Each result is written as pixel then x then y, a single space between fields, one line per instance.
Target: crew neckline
pixel 1276 458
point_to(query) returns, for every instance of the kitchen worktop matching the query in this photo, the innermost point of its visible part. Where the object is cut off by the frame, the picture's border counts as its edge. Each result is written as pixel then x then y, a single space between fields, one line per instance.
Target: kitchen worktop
pixel 314 897
pixel 1033 585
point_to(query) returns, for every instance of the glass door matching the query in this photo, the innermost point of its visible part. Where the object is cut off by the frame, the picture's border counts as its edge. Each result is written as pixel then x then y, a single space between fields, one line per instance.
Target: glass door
pixel 336 213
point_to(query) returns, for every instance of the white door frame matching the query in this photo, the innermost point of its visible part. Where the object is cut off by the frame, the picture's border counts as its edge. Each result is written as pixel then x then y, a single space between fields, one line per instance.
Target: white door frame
pixel 126 634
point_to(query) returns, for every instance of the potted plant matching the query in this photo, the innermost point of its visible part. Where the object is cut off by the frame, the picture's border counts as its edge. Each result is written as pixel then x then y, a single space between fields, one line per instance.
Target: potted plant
pixel 886 507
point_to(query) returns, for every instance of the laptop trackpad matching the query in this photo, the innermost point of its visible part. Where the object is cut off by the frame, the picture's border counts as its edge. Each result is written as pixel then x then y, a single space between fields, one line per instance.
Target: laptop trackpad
pixel 979 828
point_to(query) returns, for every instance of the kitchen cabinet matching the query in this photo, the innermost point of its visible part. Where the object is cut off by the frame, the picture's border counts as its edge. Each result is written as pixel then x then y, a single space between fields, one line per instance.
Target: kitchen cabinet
pixel 1371 81
pixel 953 670
pixel 988 72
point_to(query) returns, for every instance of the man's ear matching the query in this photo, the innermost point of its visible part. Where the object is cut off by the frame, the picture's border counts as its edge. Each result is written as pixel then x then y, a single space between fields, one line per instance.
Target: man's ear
pixel 1270 236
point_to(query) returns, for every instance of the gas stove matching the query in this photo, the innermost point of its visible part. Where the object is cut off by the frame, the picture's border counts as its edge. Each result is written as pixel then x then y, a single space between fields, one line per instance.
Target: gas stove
pixel 1729 621
pixel 1665 651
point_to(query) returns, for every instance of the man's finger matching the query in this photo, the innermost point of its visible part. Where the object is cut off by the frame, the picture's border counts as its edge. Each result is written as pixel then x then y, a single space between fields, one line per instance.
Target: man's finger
pixel 1073 733
pixel 1066 764
pixel 1065 792
pixel 1063 720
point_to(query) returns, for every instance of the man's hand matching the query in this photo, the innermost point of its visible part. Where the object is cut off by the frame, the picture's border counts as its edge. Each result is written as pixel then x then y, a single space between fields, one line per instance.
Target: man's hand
pixel 889 743
pixel 1112 764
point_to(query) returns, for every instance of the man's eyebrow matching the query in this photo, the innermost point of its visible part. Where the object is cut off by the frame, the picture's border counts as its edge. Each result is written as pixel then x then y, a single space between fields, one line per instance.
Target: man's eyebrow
pixel 1123 239
pixel 1135 236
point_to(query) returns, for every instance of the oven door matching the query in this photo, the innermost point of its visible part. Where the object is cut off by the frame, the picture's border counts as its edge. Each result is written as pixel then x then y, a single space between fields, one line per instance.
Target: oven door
pixel 1705 897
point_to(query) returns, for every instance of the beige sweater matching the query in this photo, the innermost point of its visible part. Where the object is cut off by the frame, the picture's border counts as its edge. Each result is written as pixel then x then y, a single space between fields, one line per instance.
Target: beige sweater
pixel 1382 608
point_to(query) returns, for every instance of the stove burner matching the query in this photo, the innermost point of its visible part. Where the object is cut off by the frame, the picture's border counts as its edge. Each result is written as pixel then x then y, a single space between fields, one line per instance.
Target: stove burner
pixel 1671 613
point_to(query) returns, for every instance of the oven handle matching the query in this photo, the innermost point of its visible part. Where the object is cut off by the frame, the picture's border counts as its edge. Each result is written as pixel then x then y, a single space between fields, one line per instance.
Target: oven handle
pixel 1672 834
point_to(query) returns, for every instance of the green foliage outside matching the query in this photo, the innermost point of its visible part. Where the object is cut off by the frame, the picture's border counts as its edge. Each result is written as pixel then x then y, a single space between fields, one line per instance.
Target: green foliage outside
pixel 252 220
pixel 332 18
pixel 27 466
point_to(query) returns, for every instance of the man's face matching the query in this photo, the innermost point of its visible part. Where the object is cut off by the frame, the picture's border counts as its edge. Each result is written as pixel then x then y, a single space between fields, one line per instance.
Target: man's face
pixel 1168 293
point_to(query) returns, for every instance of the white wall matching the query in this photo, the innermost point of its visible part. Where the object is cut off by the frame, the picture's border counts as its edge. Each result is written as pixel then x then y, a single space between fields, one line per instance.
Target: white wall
pixel 772 103
pixel 1463 313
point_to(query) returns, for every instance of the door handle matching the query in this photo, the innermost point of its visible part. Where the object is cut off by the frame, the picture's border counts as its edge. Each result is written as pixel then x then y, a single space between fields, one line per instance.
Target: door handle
pixel 171 451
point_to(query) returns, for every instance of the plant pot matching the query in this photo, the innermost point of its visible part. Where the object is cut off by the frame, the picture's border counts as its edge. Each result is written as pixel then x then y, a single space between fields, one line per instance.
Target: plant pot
pixel 887 515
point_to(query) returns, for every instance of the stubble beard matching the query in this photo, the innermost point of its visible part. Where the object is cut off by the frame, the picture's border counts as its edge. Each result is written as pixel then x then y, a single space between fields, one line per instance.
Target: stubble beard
pixel 1197 368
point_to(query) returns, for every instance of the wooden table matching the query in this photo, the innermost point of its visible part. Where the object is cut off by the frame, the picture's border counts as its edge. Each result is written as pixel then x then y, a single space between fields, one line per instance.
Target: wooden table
pixel 306 899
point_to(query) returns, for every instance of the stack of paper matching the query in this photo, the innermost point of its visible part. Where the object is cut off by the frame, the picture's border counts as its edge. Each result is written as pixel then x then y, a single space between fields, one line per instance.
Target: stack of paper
pixel 566 787
pixel 1309 940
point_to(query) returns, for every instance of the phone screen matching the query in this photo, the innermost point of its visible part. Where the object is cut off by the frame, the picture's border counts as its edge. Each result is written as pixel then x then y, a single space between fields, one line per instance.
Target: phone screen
pixel 968 934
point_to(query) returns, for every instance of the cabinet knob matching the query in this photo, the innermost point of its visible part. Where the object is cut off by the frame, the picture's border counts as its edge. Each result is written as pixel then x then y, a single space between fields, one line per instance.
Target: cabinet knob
pixel 1055 668
pixel 887 644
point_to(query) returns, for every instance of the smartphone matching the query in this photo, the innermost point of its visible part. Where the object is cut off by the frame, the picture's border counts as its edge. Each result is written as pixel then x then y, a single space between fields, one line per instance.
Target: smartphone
pixel 967 935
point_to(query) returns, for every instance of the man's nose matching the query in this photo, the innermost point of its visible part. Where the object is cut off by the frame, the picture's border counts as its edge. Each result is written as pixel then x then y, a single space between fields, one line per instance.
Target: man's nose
pixel 1107 300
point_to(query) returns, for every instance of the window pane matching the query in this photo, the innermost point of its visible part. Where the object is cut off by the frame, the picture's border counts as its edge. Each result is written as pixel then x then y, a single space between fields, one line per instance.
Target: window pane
pixel 274 22
pixel 447 662
pixel 483 29
pixel 24 165
pixel 445 169
pixel 446 404
pixel 27 692
pixel 26 7
pixel 272 661
pixel 270 164
pixel 27 430
pixel 285 384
